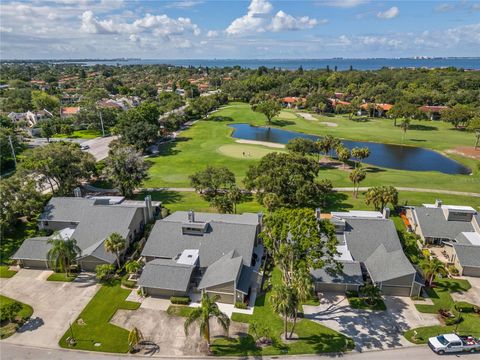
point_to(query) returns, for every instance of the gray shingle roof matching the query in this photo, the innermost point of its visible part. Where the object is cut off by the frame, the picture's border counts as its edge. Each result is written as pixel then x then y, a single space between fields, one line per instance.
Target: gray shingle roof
pixel 222 271
pixel 33 249
pixel 384 266
pixel 94 223
pixel 167 240
pixel 351 273
pixel 468 255
pixel 433 223
pixel 375 243
pixel 245 280
pixel 166 274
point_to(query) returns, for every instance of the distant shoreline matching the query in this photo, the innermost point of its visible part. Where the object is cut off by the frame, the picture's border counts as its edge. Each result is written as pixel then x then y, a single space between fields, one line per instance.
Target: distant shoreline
pixel 340 64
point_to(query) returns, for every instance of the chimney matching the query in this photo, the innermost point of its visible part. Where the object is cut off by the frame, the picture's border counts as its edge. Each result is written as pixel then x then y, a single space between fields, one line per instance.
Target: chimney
pixel 77 192
pixel 386 212
pixel 260 219
pixel 191 216
pixel 438 203
pixel 318 213
pixel 149 209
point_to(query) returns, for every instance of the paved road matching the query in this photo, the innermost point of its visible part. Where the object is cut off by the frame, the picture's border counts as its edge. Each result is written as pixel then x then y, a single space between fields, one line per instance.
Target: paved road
pixel 99 146
pixel 14 352
pixel 437 191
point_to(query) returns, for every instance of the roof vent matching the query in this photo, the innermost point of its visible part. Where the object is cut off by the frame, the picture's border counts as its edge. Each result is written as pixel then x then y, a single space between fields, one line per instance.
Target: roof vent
pixel 438 203
pixel 191 216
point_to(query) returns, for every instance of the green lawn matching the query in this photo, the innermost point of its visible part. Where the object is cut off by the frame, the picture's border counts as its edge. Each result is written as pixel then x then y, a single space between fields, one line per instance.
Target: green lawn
pixel 8 329
pixel 361 303
pixel 96 317
pixel 342 201
pixel 441 298
pixel 179 310
pixel 5 272
pixel 208 142
pixel 313 337
pixel 62 277
pixel 80 134
pixel 440 294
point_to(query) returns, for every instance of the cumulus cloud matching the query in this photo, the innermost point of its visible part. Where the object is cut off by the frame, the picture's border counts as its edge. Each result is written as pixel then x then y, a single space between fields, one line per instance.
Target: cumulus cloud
pixel 159 25
pixel 389 14
pixel 343 3
pixel 184 4
pixel 259 19
pixel 282 21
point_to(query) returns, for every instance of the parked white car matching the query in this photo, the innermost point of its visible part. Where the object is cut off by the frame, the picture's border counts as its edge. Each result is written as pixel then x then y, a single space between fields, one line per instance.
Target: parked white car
pixel 452 343
pixel 84 147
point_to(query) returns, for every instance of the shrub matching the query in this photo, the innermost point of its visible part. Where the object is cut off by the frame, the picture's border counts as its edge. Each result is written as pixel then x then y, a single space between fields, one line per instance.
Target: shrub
pixel 351 293
pixel 426 253
pixel 10 311
pixel 180 300
pixel 453 270
pixel 464 307
pixel 453 321
pixel 105 272
pixel 240 305
pixel 128 283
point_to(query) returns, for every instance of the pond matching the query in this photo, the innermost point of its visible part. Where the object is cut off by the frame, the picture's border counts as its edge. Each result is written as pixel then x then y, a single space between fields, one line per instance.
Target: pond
pixel 383 155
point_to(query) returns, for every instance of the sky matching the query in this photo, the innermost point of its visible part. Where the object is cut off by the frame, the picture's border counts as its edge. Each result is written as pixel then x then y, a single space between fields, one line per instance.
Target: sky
pixel 233 29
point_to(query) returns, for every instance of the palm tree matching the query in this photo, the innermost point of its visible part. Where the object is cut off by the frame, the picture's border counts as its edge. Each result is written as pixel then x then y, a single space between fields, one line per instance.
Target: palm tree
pixel 132 266
pixel 302 284
pixel 404 125
pixel 432 268
pixel 134 338
pixel 357 176
pixel 285 303
pixel 62 254
pixel 115 244
pixel 202 315
pixel 371 292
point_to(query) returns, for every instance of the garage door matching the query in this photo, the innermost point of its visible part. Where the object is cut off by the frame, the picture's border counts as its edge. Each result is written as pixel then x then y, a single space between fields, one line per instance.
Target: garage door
pixel 224 298
pixel 35 264
pixel 323 287
pixel 161 293
pixel 396 290
pixel 471 271
pixel 89 265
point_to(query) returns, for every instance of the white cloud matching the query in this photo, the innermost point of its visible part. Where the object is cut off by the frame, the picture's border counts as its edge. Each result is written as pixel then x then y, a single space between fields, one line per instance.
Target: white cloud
pixel 343 3
pixel 389 14
pixel 5 29
pixel 184 4
pixel 258 19
pixel 212 33
pixel 282 21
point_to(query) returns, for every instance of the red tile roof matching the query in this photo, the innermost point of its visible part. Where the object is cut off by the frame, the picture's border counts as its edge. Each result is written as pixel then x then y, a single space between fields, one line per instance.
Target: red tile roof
pixel 70 110
pixel 433 108
pixel 384 107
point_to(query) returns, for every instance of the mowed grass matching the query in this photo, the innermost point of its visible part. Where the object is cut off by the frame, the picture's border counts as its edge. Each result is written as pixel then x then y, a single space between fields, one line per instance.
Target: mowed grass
pixel 440 295
pixel 97 328
pixel 341 201
pixel 204 144
pixel 80 134
pixel 313 337
pixel 5 272
pixel 8 329
pixel 62 277
pixel 244 151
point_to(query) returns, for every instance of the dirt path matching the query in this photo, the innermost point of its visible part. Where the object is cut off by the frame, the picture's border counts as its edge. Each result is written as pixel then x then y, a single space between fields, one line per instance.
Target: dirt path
pixel 306 116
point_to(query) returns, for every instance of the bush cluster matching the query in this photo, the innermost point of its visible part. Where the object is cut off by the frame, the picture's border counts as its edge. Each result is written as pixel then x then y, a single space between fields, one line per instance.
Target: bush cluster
pixel 180 300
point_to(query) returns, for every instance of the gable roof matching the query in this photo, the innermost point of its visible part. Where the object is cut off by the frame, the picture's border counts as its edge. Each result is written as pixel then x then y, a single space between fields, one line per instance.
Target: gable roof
pixel 224 233
pixel 33 249
pixel 166 274
pixel 468 255
pixel 222 271
pixel 351 273
pixel 433 223
pixel 92 221
pixel 384 266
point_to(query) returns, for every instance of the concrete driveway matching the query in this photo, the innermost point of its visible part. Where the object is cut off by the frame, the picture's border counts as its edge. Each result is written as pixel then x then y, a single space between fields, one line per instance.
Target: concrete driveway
pixel 167 332
pixel 55 304
pixel 371 330
pixel 473 295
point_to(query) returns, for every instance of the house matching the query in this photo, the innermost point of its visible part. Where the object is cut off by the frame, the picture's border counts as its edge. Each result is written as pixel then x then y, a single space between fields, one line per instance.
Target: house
pixel 379 109
pixel 293 102
pixel 334 102
pixel 433 112
pixel 455 228
pixel 30 117
pixel 68 111
pixel 190 252
pixel 89 221
pixel 113 104
pixel 368 247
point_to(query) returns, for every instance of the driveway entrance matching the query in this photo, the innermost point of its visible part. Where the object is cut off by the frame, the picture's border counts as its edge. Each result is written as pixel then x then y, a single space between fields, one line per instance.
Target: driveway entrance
pixel 55 304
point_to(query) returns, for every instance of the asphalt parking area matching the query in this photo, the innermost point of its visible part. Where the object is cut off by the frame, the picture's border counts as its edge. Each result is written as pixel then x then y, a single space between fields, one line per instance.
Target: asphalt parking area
pixel 55 304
